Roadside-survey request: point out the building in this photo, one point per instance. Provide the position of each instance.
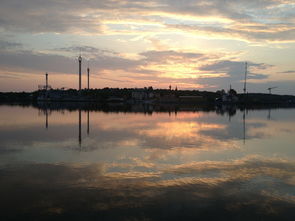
(143, 94)
(228, 98)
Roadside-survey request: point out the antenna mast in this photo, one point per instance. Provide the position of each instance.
(80, 64)
(88, 75)
(46, 87)
(245, 83)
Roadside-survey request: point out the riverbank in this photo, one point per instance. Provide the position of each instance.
(146, 96)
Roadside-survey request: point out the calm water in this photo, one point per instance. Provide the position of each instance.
(185, 165)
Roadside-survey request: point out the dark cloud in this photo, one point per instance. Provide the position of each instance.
(99, 60)
(288, 72)
(28, 60)
(9, 45)
(87, 50)
(141, 68)
(46, 16)
(236, 69)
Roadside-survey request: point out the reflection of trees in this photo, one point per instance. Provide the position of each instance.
(112, 136)
(128, 108)
(230, 110)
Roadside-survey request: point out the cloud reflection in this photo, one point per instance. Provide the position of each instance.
(254, 187)
(133, 166)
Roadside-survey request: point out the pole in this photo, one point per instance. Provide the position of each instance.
(88, 75)
(46, 115)
(46, 81)
(80, 63)
(245, 83)
(80, 137)
(87, 122)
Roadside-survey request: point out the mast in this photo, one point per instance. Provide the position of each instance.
(88, 70)
(80, 63)
(245, 83)
(46, 81)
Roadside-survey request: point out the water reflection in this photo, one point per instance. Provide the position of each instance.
(181, 128)
(80, 137)
(87, 122)
(146, 163)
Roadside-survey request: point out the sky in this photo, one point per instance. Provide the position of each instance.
(195, 45)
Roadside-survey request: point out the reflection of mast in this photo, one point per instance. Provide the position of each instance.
(46, 81)
(80, 139)
(269, 114)
(46, 122)
(88, 76)
(244, 126)
(87, 122)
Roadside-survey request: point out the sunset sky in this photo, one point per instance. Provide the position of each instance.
(191, 44)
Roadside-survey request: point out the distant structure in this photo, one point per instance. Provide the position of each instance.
(227, 98)
(270, 88)
(87, 122)
(143, 94)
(46, 86)
(245, 83)
(88, 70)
(80, 64)
(80, 136)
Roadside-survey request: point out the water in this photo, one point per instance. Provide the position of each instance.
(88, 163)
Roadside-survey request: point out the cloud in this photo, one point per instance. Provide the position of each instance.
(171, 56)
(145, 23)
(4, 45)
(249, 21)
(86, 50)
(235, 72)
(7, 75)
(46, 16)
(287, 72)
(256, 33)
(29, 60)
(185, 68)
